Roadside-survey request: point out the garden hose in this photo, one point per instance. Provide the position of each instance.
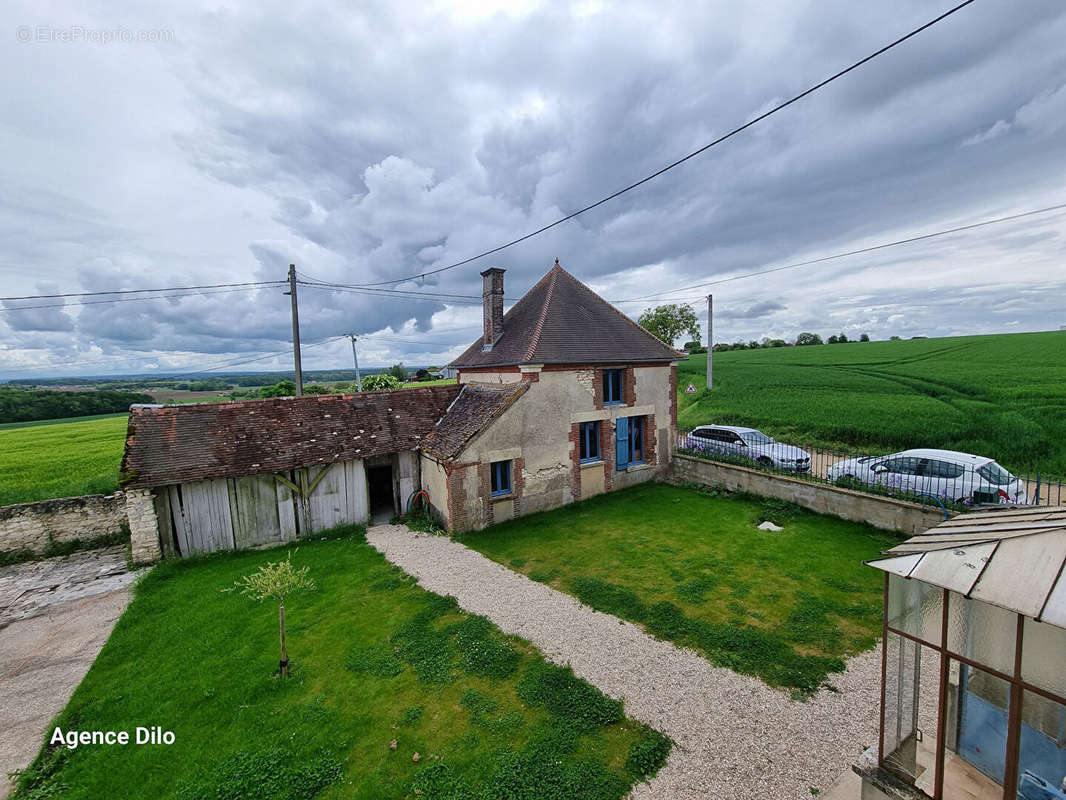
(411, 500)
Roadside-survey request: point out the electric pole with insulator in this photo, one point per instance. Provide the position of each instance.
(355, 355)
(710, 339)
(295, 331)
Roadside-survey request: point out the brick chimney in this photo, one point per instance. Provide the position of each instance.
(492, 298)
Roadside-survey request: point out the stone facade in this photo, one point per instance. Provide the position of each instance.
(31, 526)
(540, 436)
(144, 527)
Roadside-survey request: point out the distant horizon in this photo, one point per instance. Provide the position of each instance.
(7, 379)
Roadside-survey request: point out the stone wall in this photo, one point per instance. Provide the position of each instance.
(30, 526)
(881, 512)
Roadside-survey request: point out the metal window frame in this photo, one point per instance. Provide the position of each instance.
(609, 376)
(493, 467)
(590, 435)
(1016, 684)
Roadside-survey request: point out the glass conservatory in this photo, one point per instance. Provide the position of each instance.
(973, 673)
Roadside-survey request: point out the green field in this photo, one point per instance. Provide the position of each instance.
(1002, 396)
(395, 694)
(60, 458)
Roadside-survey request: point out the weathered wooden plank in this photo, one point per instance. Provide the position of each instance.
(234, 514)
(207, 514)
(161, 504)
(407, 476)
(177, 515)
(258, 519)
(356, 491)
(327, 503)
(286, 507)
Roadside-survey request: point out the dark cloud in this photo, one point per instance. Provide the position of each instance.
(388, 142)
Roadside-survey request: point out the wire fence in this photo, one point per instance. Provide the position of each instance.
(949, 480)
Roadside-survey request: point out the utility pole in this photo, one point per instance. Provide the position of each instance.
(295, 331)
(710, 339)
(355, 355)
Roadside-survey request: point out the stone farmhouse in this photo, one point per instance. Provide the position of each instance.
(562, 398)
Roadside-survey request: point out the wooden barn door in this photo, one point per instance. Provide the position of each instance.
(201, 515)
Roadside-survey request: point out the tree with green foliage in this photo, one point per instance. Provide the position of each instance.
(398, 372)
(317, 388)
(381, 382)
(670, 321)
(806, 339)
(279, 389)
(275, 581)
(864, 338)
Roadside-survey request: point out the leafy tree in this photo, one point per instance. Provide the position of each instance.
(806, 339)
(381, 382)
(776, 343)
(279, 389)
(864, 338)
(754, 345)
(398, 372)
(894, 338)
(316, 388)
(275, 581)
(834, 339)
(670, 321)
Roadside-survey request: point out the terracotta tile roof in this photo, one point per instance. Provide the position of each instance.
(177, 444)
(562, 321)
(476, 407)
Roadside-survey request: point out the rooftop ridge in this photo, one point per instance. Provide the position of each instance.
(553, 273)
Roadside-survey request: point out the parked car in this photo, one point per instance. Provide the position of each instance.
(958, 477)
(747, 443)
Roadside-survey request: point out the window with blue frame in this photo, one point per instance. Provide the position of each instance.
(590, 442)
(629, 442)
(612, 387)
(501, 477)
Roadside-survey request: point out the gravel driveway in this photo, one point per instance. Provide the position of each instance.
(734, 736)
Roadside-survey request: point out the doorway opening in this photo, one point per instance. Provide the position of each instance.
(379, 486)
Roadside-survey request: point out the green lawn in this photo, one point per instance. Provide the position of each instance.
(692, 567)
(55, 458)
(1000, 396)
(374, 659)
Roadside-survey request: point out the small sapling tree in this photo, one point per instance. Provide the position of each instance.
(275, 581)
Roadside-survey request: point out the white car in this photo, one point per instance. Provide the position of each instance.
(747, 443)
(953, 476)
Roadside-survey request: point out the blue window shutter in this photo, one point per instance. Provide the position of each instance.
(621, 437)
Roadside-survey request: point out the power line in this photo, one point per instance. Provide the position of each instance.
(861, 250)
(693, 154)
(400, 293)
(127, 299)
(137, 291)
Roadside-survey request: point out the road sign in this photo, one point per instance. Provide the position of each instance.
(690, 389)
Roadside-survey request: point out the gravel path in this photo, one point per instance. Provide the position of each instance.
(734, 736)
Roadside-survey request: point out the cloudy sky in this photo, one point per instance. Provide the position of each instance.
(195, 143)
